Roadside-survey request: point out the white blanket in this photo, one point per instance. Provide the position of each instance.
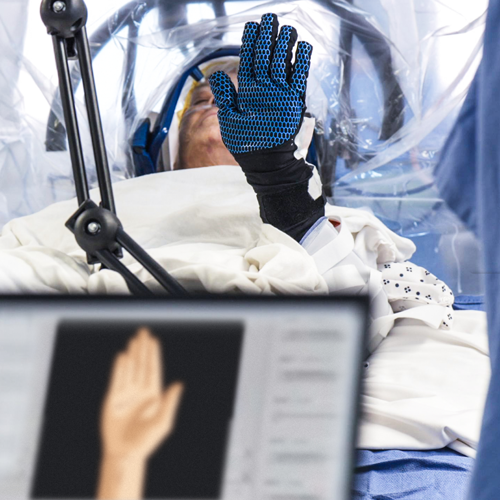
(424, 386)
(202, 226)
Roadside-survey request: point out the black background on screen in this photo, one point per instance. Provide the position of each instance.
(205, 356)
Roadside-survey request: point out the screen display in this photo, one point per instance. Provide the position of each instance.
(203, 399)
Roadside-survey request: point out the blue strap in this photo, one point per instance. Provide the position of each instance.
(140, 143)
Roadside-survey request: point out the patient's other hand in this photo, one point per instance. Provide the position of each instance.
(137, 413)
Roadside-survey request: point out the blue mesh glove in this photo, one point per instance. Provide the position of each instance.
(260, 122)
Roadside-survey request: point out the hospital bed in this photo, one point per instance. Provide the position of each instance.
(389, 174)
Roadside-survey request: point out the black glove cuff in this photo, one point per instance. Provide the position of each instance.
(291, 209)
(270, 169)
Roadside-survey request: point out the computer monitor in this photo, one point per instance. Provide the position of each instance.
(214, 398)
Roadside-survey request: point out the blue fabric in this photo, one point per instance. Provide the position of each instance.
(468, 302)
(267, 110)
(411, 475)
(469, 179)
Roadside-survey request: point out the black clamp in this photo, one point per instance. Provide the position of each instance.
(95, 229)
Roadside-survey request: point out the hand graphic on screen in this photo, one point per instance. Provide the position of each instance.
(137, 416)
(137, 413)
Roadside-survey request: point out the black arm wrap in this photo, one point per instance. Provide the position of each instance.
(281, 183)
(291, 210)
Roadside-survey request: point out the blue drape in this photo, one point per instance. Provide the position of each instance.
(468, 177)
(411, 475)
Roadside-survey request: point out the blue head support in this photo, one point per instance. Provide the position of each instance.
(146, 144)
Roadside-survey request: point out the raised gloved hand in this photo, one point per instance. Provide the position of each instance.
(260, 121)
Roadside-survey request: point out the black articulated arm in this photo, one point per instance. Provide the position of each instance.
(97, 229)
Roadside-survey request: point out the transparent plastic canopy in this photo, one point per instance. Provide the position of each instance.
(387, 80)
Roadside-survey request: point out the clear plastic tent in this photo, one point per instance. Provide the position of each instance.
(386, 83)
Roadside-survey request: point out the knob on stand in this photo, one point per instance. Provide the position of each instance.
(63, 17)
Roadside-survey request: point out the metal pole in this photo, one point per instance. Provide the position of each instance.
(162, 276)
(134, 284)
(68, 105)
(94, 117)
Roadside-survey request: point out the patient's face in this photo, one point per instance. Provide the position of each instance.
(200, 141)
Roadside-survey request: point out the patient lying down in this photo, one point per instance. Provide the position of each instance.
(200, 140)
(229, 230)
